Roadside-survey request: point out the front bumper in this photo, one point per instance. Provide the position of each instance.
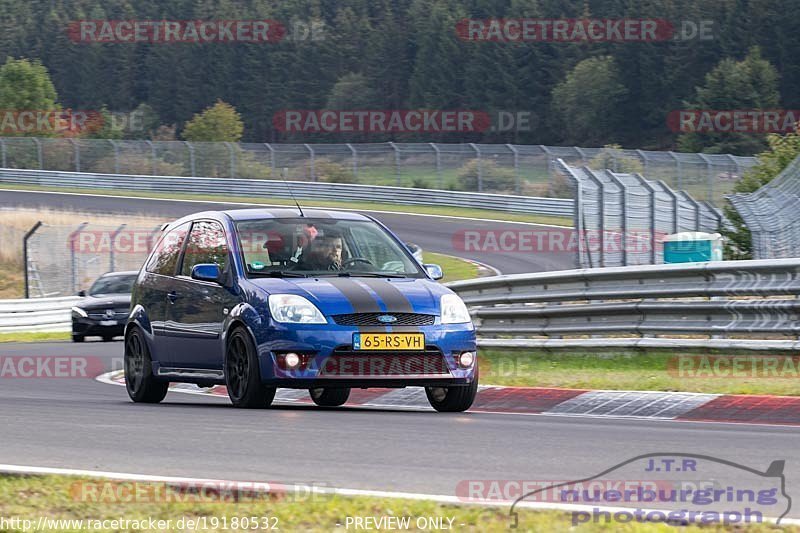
(87, 327)
(333, 363)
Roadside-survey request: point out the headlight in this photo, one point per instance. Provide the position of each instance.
(454, 311)
(79, 313)
(293, 309)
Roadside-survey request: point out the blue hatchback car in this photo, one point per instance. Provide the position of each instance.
(258, 299)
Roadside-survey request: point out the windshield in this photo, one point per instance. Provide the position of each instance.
(305, 246)
(113, 285)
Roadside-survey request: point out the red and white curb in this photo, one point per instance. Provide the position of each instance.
(680, 406)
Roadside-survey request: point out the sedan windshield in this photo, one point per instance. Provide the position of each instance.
(305, 246)
(113, 285)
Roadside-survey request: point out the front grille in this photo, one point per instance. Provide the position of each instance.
(348, 363)
(100, 314)
(371, 319)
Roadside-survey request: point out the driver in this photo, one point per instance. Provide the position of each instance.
(324, 253)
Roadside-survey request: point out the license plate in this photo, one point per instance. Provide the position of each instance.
(108, 322)
(388, 341)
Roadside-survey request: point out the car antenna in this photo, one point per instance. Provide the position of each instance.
(283, 177)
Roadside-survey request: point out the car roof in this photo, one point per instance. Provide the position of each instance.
(261, 213)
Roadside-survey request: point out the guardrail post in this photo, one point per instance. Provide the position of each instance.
(480, 165)
(653, 217)
(233, 159)
(396, 163)
(678, 168)
(312, 162)
(116, 155)
(272, 165)
(77, 154)
(153, 157)
(584, 161)
(624, 209)
(25, 240)
(111, 262)
(438, 164)
(710, 180)
(192, 163)
(39, 154)
(73, 267)
(355, 160)
(601, 215)
(517, 184)
(675, 218)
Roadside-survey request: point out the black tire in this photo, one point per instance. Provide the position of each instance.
(242, 373)
(329, 397)
(142, 385)
(453, 399)
(78, 338)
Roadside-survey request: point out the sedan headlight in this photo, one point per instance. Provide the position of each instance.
(454, 311)
(77, 312)
(293, 309)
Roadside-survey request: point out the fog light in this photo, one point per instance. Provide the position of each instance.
(292, 360)
(466, 359)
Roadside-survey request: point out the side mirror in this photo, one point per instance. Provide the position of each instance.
(434, 271)
(81, 293)
(207, 272)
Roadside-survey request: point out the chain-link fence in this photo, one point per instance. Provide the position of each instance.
(622, 218)
(772, 214)
(62, 260)
(503, 168)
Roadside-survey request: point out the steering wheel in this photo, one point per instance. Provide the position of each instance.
(353, 260)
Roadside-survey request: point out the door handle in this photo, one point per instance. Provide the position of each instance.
(172, 296)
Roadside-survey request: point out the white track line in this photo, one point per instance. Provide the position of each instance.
(257, 205)
(316, 489)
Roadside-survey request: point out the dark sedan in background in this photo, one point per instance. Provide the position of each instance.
(104, 310)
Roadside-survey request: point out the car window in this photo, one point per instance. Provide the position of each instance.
(164, 259)
(307, 246)
(206, 245)
(112, 285)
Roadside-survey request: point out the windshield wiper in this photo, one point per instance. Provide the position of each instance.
(346, 274)
(279, 274)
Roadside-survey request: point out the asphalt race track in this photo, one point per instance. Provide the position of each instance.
(433, 234)
(84, 424)
(80, 423)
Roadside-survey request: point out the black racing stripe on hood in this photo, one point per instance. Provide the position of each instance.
(359, 297)
(396, 301)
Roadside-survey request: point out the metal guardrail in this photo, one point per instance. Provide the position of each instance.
(643, 306)
(770, 214)
(503, 168)
(736, 304)
(41, 314)
(266, 189)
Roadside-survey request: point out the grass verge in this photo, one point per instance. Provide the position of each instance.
(12, 284)
(72, 498)
(648, 370)
(364, 206)
(454, 268)
(33, 337)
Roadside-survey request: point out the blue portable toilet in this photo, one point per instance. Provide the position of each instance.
(692, 247)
